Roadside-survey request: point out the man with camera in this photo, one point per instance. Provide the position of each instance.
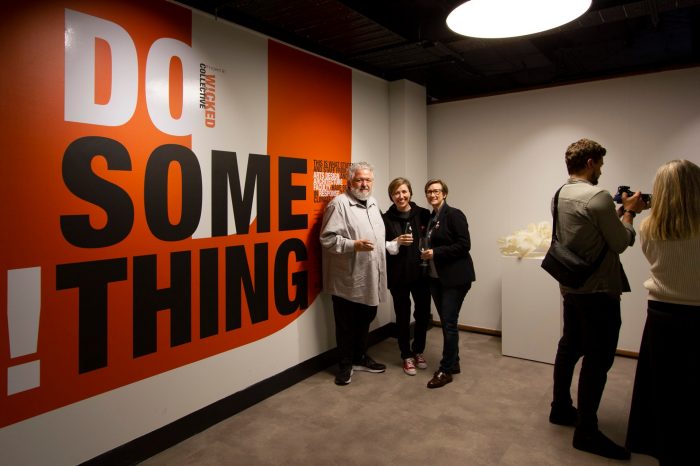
(587, 224)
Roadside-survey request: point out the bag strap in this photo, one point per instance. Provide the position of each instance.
(555, 214)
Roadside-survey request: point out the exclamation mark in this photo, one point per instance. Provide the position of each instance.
(23, 310)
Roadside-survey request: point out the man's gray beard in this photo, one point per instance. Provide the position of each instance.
(359, 195)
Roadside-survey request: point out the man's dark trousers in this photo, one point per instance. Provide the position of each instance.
(591, 329)
(351, 329)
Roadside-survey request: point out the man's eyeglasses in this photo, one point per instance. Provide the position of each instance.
(362, 180)
(430, 192)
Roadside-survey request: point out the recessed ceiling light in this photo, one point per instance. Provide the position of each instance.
(491, 19)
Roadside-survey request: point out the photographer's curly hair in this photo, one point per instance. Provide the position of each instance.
(578, 153)
(675, 203)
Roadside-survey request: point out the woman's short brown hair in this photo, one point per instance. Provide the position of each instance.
(435, 181)
(395, 183)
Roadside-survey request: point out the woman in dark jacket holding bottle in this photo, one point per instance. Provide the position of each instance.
(405, 221)
(451, 273)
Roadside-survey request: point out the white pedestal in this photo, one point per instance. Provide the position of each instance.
(531, 310)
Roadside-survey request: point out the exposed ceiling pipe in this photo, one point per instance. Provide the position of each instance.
(654, 12)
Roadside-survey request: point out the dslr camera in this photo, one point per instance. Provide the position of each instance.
(626, 189)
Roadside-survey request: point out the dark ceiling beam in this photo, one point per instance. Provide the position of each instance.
(408, 39)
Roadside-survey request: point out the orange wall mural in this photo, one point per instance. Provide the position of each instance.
(104, 281)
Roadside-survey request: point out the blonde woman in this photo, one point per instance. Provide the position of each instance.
(665, 410)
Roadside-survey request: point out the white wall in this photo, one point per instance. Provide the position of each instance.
(144, 406)
(503, 158)
(409, 144)
(83, 430)
(370, 143)
(389, 123)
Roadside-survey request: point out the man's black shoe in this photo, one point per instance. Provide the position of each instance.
(563, 416)
(599, 444)
(440, 379)
(368, 364)
(344, 376)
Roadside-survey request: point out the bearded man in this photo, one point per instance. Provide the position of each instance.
(354, 269)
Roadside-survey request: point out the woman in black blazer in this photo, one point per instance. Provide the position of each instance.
(451, 273)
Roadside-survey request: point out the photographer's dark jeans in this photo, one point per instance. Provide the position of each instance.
(421, 313)
(591, 329)
(448, 301)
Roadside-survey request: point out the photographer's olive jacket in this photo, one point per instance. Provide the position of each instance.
(356, 276)
(587, 222)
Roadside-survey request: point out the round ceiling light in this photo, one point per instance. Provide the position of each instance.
(491, 19)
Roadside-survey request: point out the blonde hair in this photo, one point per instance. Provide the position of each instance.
(675, 207)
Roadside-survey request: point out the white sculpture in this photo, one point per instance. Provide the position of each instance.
(532, 242)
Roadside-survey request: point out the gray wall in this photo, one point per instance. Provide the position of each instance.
(502, 157)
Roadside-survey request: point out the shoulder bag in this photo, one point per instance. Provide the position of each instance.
(565, 265)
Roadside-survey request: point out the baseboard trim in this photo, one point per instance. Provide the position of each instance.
(161, 439)
(469, 328)
(484, 331)
(627, 353)
(497, 333)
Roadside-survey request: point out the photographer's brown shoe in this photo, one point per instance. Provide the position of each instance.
(440, 379)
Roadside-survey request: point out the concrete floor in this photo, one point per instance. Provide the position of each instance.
(493, 413)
